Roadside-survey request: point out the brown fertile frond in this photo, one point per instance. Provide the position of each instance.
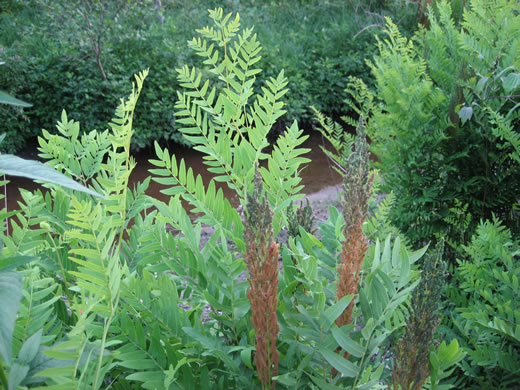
(358, 180)
(357, 189)
(259, 217)
(357, 186)
(352, 256)
(262, 262)
(411, 359)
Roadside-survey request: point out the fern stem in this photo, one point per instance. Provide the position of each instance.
(102, 349)
(3, 378)
(237, 182)
(62, 269)
(362, 361)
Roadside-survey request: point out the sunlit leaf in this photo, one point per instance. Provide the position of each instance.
(16, 166)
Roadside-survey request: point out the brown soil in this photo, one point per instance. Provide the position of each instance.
(321, 200)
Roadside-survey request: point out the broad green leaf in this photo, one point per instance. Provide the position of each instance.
(416, 255)
(140, 364)
(334, 311)
(17, 374)
(30, 348)
(16, 166)
(344, 341)
(146, 376)
(57, 371)
(11, 263)
(245, 355)
(287, 379)
(341, 364)
(404, 276)
(377, 256)
(10, 296)
(324, 385)
(511, 82)
(12, 101)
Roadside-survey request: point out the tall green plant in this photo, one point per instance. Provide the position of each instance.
(442, 125)
(224, 119)
(26, 316)
(82, 240)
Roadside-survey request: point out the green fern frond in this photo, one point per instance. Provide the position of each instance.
(78, 157)
(341, 141)
(282, 175)
(27, 236)
(215, 209)
(504, 130)
(228, 124)
(361, 101)
(37, 309)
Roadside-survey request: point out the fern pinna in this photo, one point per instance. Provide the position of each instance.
(225, 119)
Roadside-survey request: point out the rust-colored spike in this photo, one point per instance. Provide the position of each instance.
(262, 263)
(357, 186)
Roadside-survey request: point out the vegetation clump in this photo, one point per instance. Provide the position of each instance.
(97, 293)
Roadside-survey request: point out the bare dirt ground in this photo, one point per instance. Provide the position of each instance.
(321, 200)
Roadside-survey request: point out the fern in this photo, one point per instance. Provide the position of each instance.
(378, 224)
(504, 130)
(151, 330)
(226, 120)
(97, 235)
(341, 141)
(216, 210)
(431, 91)
(489, 314)
(78, 157)
(27, 236)
(37, 308)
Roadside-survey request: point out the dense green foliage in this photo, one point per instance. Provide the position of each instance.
(51, 58)
(16, 166)
(444, 123)
(443, 118)
(110, 297)
(483, 310)
(107, 287)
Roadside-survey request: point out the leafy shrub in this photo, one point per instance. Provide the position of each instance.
(485, 309)
(444, 117)
(55, 66)
(56, 69)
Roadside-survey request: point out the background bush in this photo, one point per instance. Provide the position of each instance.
(50, 59)
(483, 310)
(445, 120)
(444, 124)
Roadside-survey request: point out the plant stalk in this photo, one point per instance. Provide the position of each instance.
(3, 378)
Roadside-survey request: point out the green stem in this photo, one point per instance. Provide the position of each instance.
(3, 378)
(102, 350)
(362, 361)
(60, 262)
(322, 358)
